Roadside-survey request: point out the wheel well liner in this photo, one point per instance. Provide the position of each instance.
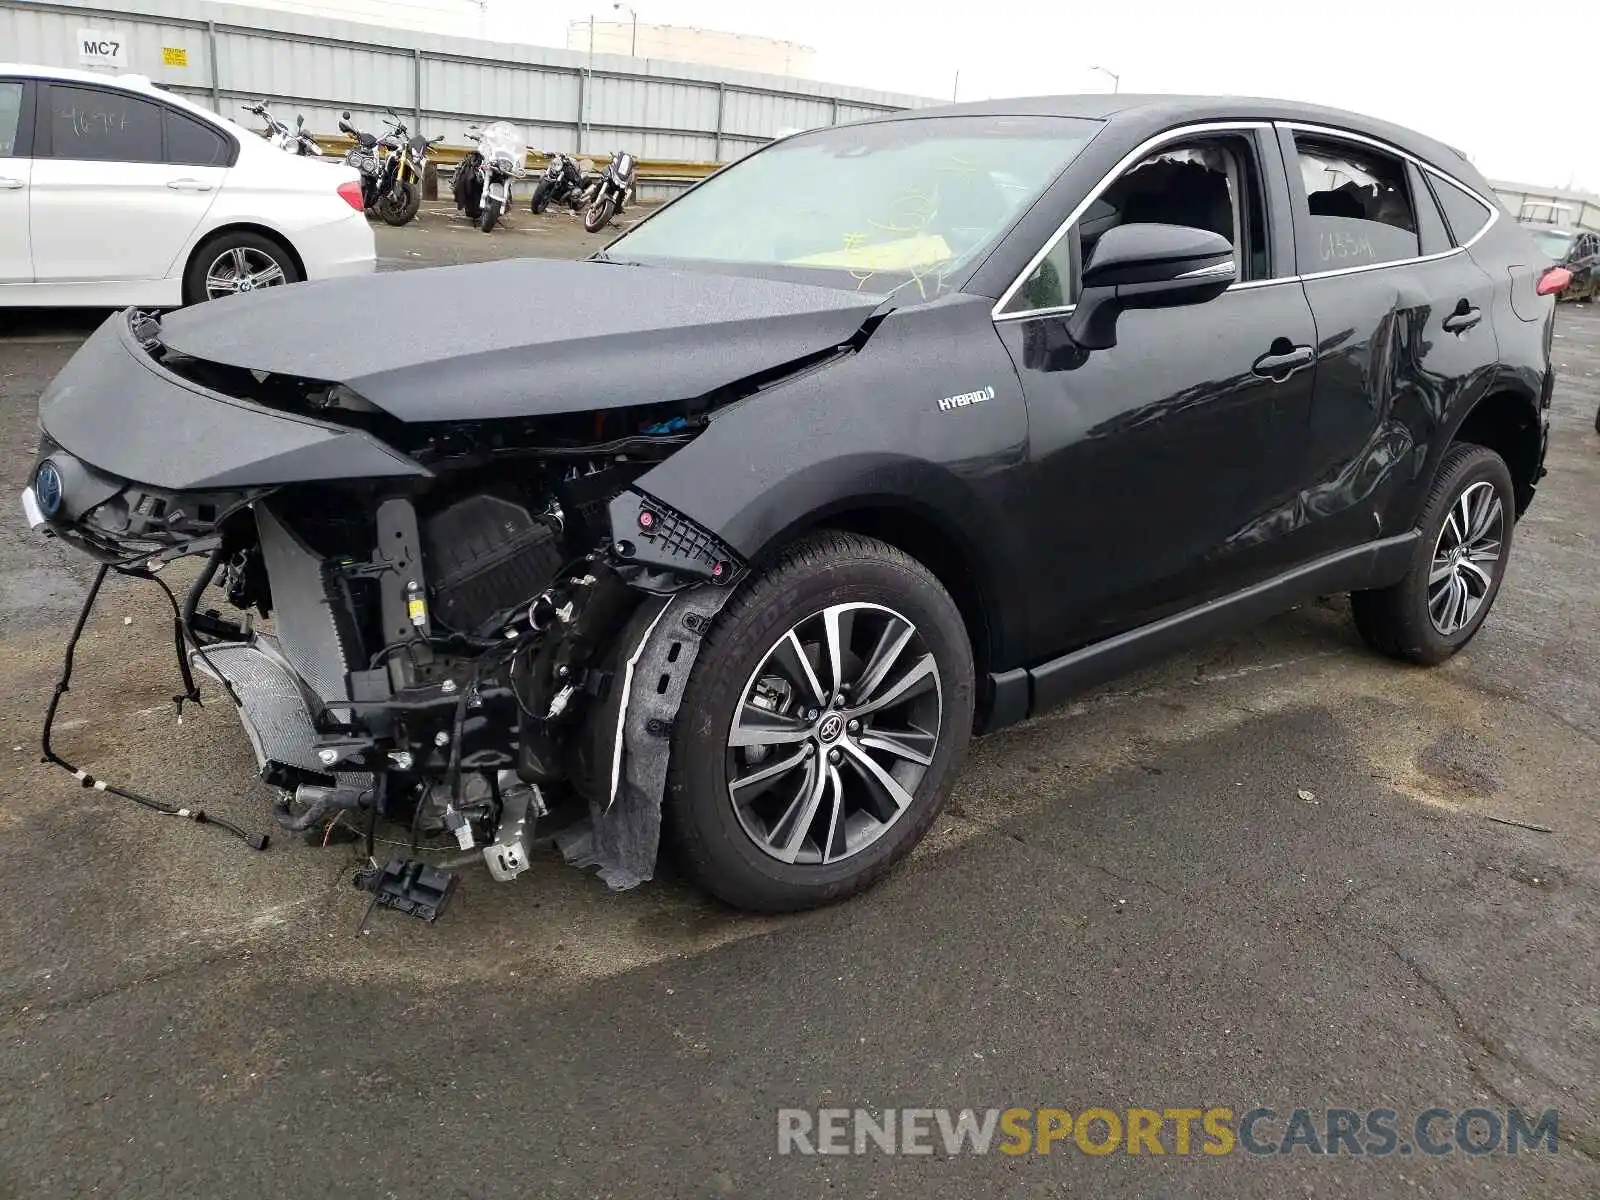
(1507, 423)
(272, 235)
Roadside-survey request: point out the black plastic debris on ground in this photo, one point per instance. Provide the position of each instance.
(410, 886)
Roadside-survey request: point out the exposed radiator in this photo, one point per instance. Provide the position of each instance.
(302, 612)
(272, 708)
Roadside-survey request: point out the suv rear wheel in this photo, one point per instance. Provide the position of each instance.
(827, 712)
(1456, 567)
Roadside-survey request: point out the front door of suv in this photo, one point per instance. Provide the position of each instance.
(1404, 333)
(1156, 465)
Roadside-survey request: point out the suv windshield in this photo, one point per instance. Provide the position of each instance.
(1553, 242)
(912, 201)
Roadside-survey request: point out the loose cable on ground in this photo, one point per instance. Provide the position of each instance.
(199, 816)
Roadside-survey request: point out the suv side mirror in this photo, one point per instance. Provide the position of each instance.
(1148, 266)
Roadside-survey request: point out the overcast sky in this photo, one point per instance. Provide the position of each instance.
(1515, 86)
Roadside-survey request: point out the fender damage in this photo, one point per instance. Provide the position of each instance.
(445, 622)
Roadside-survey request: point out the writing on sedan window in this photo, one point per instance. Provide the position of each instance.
(91, 122)
(1340, 245)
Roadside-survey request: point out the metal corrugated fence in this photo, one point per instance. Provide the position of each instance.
(1555, 206)
(224, 54)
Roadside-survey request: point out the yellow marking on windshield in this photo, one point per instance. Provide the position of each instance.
(903, 254)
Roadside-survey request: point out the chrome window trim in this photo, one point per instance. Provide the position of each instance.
(1421, 164)
(1150, 145)
(1142, 150)
(1394, 262)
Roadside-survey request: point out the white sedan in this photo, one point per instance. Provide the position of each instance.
(116, 192)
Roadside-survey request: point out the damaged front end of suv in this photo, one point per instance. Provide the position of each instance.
(447, 576)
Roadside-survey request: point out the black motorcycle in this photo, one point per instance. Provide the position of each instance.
(400, 180)
(563, 182)
(613, 193)
(367, 156)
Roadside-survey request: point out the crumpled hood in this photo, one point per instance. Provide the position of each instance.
(522, 337)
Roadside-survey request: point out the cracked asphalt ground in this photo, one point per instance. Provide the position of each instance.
(1126, 903)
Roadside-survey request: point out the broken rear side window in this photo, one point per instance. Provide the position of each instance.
(1358, 203)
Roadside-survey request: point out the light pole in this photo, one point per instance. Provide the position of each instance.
(1116, 80)
(633, 45)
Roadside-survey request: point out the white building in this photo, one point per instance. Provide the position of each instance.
(680, 43)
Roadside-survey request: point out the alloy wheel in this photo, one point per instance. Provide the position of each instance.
(834, 732)
(242, 269)
(1466, 558)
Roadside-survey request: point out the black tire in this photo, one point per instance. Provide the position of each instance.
(598, 215)
(541, 196)
(825, 569)
(1395, 620)
(489, 215)
(254, 245)
(400, 210)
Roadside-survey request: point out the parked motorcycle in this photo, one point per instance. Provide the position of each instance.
(563, 182)
(400, 177)
(294, 141)
(367, 156)
(482, 183)
(613, 192)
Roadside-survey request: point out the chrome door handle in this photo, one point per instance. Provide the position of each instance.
(189, 185)
(11, 185)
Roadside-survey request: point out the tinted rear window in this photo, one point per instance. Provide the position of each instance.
(1465, 212)
(194, 143)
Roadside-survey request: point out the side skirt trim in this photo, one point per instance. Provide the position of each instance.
(1017, 692)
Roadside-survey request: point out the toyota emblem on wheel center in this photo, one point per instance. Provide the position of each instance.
(831, 727)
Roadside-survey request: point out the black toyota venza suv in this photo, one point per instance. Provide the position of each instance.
(889, 434)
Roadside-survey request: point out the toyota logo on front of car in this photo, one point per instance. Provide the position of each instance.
(47, 488)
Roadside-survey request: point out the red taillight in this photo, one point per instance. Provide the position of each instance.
(1555, 279)
(352, 195)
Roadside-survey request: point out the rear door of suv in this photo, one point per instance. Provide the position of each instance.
(1404, 331)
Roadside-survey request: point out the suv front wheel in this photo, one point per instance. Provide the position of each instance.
(1456, 568)
(827, 712)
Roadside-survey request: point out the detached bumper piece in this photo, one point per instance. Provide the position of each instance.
(411, 887)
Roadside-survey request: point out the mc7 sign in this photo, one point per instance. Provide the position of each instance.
(99, 49)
